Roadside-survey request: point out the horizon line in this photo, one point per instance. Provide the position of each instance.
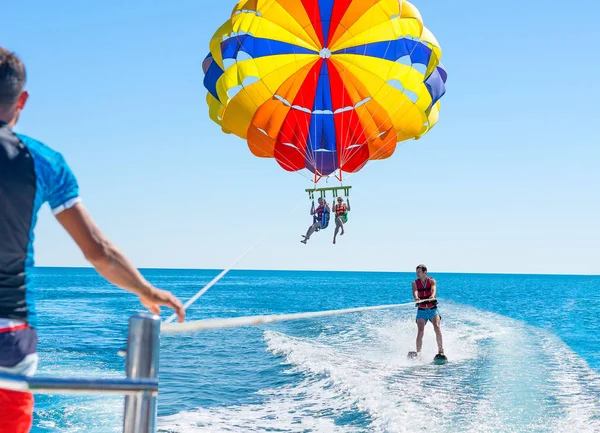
(333, 270)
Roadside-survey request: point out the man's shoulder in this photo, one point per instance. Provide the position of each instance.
(39, 149)
(44, 156)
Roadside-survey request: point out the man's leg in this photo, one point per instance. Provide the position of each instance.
(421, 330)
(436, 322)
(310, 231)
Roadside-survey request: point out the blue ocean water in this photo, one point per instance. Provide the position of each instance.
(524, 354)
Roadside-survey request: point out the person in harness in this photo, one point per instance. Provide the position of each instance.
(424, 289)
(341, 210)
(320, 216)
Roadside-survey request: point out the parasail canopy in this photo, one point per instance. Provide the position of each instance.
(324, 85)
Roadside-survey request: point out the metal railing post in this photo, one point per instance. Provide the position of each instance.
(143, 347)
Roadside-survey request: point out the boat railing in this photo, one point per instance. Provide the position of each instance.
(140, 387)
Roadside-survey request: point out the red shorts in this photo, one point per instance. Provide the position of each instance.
(17, 349)
(16, 411)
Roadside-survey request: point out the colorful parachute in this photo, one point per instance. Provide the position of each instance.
(324, 85)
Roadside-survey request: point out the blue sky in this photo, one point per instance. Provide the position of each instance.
(508, 181)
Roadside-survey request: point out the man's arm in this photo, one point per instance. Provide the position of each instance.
(111, 263)
(312, 209)
(415, 291)
(433, 289)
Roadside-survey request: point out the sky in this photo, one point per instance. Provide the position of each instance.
(507, 182)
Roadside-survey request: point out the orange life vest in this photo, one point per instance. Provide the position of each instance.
(340, 209)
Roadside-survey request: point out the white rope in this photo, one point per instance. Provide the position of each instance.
(236, 322)
(229, 268)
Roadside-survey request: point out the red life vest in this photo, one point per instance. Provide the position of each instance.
(425, 293)
(319, 211)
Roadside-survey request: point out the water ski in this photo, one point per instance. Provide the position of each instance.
(413, 355)
(440, 359)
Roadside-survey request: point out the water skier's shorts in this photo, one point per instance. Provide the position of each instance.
(428, 314)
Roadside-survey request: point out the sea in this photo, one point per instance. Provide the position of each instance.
(523, 350)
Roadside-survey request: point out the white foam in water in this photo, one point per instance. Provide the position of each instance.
(503, 376)
(74, 414)
(90, 415)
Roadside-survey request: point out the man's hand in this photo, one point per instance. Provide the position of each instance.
(424, 301)
(157, 297)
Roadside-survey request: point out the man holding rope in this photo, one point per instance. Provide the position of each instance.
(30, 175)
(424, 291)
(320, 218)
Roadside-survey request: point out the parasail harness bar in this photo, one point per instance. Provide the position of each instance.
(323, 191)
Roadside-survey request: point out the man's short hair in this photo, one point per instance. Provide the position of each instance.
(12, 77)
(422, 268)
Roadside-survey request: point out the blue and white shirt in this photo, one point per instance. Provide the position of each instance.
(31, 174)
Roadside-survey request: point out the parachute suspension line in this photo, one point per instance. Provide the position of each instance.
(235, 322)
(300, 172)
(230, 267)
(317, 177)
(340, 176)
(380, 150)
(353, 152)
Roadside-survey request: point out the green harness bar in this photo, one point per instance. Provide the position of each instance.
(323, 191)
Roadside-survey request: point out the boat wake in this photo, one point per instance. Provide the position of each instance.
(502, 376)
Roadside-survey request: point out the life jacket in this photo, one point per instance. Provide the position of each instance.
(425, 293)
(340, 209)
